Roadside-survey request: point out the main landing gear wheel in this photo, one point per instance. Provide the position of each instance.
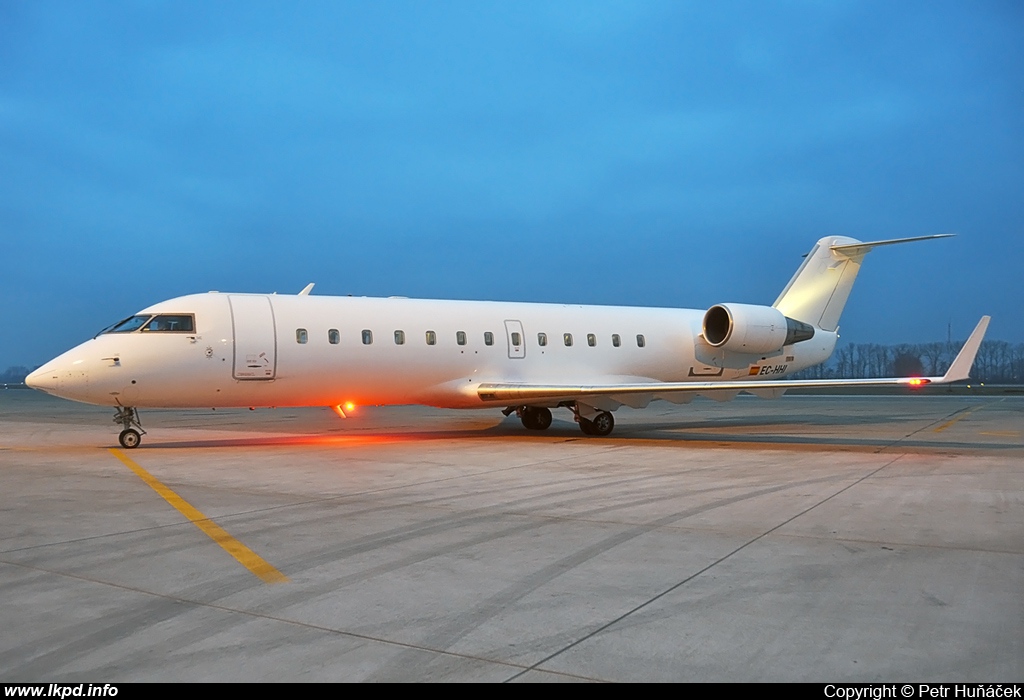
(535, 418)
(601, 425)
(129, 438)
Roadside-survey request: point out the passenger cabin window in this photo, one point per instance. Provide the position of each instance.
(399, 337)
(301, 336)
(367, 337)
(488, 338)
(460, 337)
(567, 339)
(616, 340)
(542, 339)
(517, 339)
(333, 336)
(640, 341)
(431, 338)
(591, 339)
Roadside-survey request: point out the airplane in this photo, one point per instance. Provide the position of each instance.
(266, 350)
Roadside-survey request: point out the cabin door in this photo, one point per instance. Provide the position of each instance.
(516, 340)
(252, 320)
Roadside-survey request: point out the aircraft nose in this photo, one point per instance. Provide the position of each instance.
(42, 379)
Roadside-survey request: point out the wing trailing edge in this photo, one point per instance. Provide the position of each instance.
(513, 393)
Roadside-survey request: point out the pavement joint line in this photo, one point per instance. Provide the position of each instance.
(289, 621)
(245, 556)
(694, 575)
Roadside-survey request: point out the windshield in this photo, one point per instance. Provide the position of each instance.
(130, 324)
(161, 323)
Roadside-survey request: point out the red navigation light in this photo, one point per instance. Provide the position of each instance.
(918, 381)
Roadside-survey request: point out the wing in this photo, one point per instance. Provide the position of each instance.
(638, 394)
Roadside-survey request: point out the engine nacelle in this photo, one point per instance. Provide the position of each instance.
(752, 329)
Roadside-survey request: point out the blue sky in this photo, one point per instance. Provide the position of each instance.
(663, 154)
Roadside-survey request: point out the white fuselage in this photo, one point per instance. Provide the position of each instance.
(248, 350)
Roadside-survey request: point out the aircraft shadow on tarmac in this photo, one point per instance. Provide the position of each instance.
(733, 432)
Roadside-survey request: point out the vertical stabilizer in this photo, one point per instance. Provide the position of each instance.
(818, 291)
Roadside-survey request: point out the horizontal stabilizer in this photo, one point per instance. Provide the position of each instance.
(855, 249)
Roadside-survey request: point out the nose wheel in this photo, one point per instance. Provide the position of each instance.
(129, 438)
(132, 434)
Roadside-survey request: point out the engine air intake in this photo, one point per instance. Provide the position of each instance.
(752, 329)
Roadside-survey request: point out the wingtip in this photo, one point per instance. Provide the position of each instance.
(960, 370)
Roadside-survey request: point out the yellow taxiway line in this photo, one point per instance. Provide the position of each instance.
(245, 556)
(960, 417)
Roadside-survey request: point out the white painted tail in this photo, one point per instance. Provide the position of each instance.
(818, 291)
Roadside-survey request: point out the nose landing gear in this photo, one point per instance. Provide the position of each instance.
(132, 434)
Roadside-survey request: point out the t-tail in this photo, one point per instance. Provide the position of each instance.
(818, 291)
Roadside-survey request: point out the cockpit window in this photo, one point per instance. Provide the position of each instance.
(129, 324)
(170, 323)
(148, 323)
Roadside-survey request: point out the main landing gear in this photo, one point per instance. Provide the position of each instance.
(534, 417)
(600, 425)
(539, 418)
(132, 434)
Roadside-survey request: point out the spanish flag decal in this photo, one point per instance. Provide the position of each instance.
(753, 371)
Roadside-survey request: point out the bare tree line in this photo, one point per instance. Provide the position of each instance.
(998, 361)
(14, 375)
